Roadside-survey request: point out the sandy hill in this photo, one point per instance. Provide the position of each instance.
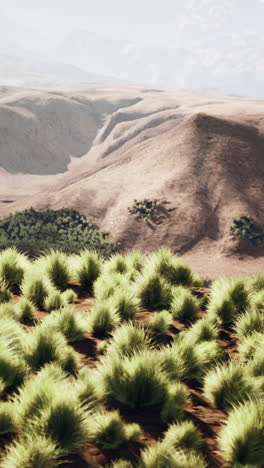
(202, 156)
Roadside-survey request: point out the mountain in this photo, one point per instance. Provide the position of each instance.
(201, 156)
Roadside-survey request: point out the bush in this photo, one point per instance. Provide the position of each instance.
(127, 339)
(148, 210)
(42, 348)
(124, 304)
(107, 430)
(66, 321)
(246, 228)
(159, 322)
(102, 319)
(153, 292)
(88, 269)
(32, 451)
(227, 385)
(177, 399)
(184, 306)
(184, 435)
(65, 230)
(242, 439)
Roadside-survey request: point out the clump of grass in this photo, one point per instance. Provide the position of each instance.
(25, 310)
(43, 347)
(7, 418)
(107, 430)
(124, 304)
(127, 339)
(153, 292)
(102, 319)
(248, 323)
(229, 298)
(133, 432)
(257, 300)
(9, 310)
(35, 288)
(69, 296)
(53, 301)
(65, 422)
(90, 394)
(227, 385)
(102, 346)
(174, 271)
(255, 366)
(184, 306)
(184, 435)
(88, 269)
(135, 261)
(177, 398)
(12, 335)
(202, 330)
(32, 451)
(242, 438)
(67, 322)
(116, 264)
(121, 463)
(250, 344)
(139, 381)
(164, 455)
(159, 322)
(256, 283)
(107, 284)
(12, 268)
(12, 366)
(56, 267)
(5, 294)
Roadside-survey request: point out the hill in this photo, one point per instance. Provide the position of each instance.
(201, 156)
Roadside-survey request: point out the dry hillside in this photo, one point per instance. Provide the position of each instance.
(201, 155)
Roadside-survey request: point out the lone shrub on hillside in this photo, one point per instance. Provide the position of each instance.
(147, 209)
(242, 439)
(246, 228)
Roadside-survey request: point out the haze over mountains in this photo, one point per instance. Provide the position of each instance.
(196, 44)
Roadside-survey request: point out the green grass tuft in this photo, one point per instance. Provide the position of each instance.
(32, 451)
(102, 319)
(184, 306)
(153, 292)
(159, 322)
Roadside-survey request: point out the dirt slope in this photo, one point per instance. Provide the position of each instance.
(202, 156)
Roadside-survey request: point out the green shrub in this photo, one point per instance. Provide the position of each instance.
(55, 266)
(88, 269)
(43, 347)
(124, 304)
(246, 228)
(102, 319)
(107, 430)
(184, 306)
(7, 418)
(66, 321)
(148, 210)
(159, 322)
(153, 292)
(184, 435)
(12, 335)
(227, 385)
(32, 451)
(127, 339)
(242, 438)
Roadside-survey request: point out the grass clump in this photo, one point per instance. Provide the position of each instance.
(107, 285)
(102, 319)
(36, 289)
(229, 298)
(127, 339)
(116, 264)
(34, 451)
(124, 304)
(242, 438)
(12, 268)
(250, 345)
(256, 283)
(56, 267)
(25, 310)
(90, 394)
(107, 430)
(5, 294)
(249, 322)
(184, 435)
(43, 347)
(227, 385)
(184, 306)
(13, 368)
(67, 322)
(7, 418)
(153, 292)
(159, 323)
(54, 301)
(69, 296)
(164, 455)
(88, 269)
(171, 269)
(202, 330)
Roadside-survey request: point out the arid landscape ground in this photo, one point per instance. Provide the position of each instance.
(96, 150)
